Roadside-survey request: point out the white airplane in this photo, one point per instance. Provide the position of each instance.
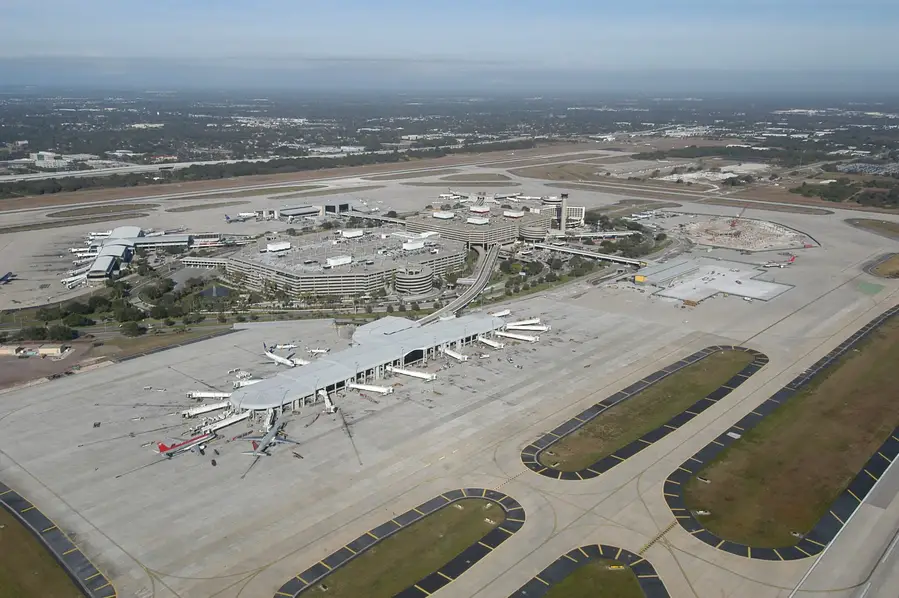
(779, 264)
(290, 361)
(506, 195)
(275, 435)
(317, 351)
(285, 346)
(190, 444)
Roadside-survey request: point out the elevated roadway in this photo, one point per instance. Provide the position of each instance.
(486, 263)
(596, 256)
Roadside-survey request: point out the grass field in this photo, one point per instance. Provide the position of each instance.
(783, 475)
(513, 163)
(644, 412)
(563, 172)
(19, 228)
(477, 177)
(413, 553)
(99, 210)
(337, 191)
(884, 228)
(754, 205)
(888, 268)
(27, 570)
(410, 175)
(464, 185)
(250, 192)
(122, 346)
(596, 580)
(206, 206)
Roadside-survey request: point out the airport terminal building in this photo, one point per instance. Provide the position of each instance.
(387, 342)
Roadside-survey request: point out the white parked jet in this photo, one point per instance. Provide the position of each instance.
(290, 361)
(275, 435)
(285, 346)
(317, 351)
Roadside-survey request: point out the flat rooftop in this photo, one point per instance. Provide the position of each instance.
(371, 252)
(700, 279)
(495, 217)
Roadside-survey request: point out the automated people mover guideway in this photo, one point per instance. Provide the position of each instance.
(842, 508)
(530, 456)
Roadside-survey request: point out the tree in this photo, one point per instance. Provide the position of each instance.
(159, 312)
(98, 304)
(132, 329)
(415, 306)
(48, 314)
(390, 309)
(391, 214)
(76, 307)
(58, 332)
(222, 318)
(555, 264)
(73, 320)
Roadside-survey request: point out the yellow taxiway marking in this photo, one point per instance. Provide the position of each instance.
(445, 576)
(26, 509)
(97, 574)
(70, 551)
(426, 593)
(538, 578)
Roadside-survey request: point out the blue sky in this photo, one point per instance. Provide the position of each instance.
(493, 41)
(755, 34)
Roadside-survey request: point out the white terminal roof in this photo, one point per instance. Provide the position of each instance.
(377, 343)
(103, 264)
(124, 232)
(113, 250)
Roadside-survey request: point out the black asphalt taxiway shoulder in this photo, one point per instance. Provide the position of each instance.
(568, 563)
(842, 508)
(85, 575)
(530, 456)
(447, 573)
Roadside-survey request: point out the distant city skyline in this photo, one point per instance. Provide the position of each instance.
(394, 43)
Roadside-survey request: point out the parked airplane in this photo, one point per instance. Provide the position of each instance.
(290, 361)
(506, 195)
(285, 346)
(779, 264)
(275, 435)
(8, 277)
(190, 444)
(229, 219)
(317, 351)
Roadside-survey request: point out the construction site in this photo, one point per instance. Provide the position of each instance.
(744, 234)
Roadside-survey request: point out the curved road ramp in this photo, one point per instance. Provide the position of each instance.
(618, 563)
(85, 575)
(316, 577)
(534, 455)
(840, 509)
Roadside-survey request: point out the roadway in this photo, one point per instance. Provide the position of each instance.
(486, 263)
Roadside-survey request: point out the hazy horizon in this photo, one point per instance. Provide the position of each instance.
(650, 46)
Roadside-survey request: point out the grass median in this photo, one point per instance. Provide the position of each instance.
(27, 570)
(644, 412)
(598, 579)
(413, 553)
(784, 474)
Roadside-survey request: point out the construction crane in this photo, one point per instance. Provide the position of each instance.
(733, 223)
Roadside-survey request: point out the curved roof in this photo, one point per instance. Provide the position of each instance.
(377, 343)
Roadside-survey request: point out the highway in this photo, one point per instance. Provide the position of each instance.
(486, 263)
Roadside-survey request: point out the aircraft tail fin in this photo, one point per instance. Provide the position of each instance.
(792, 259)
(255, 445)
(162, 447)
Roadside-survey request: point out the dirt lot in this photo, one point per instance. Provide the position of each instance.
(207, 206)
(783, 475)
(485, 177)
(17, 371)
(116, 210)
(27, 570)
(62, 199)
(409, 175)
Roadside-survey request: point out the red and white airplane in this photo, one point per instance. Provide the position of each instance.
(187, 445)
(780, 264)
